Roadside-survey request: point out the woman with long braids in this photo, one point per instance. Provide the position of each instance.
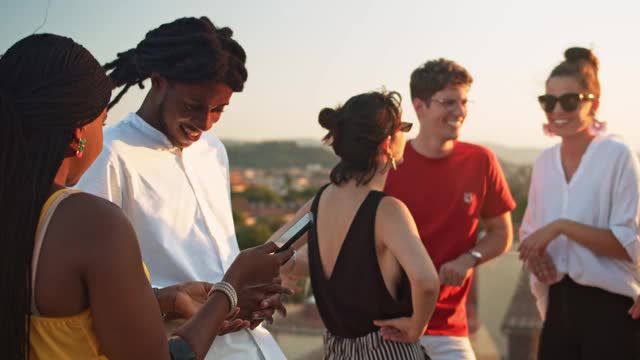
(72, 281)
(580, 232)
(170, 174)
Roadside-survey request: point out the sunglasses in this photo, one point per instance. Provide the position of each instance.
(405, 126)
(568, 102)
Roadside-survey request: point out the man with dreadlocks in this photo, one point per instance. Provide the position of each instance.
(171, 177)
(72, 281)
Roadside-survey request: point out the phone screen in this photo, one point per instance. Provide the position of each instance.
(294, 232)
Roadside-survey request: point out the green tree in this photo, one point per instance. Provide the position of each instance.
(278, 155)
(250, 236)
(272, 222)
(238, 218)
(259, 193)
(519, 179)
(300, 196)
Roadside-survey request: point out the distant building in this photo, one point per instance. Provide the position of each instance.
(238, 181)
(522, 322)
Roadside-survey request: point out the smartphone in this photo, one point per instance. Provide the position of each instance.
(294, 232)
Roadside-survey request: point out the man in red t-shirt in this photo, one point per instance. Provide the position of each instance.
(449, 186)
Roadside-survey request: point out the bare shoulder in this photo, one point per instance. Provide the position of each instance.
(88, 208)
(391, 206)
(393, 213)
(394, 221)
(95, 225)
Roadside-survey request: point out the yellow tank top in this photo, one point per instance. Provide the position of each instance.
(69, 337)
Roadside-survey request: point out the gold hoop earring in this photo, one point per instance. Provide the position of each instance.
(393, 161)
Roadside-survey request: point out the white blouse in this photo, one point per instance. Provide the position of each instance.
(604, 192)
(179, 203)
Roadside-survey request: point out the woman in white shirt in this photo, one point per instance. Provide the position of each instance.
(579, 234)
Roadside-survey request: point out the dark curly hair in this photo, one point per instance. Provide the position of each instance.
(435, 75)
(581, 64)
(356, 130)
(187, 50)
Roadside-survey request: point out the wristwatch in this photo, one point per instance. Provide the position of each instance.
(477, 255)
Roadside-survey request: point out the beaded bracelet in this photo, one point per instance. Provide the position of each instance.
(227, 289)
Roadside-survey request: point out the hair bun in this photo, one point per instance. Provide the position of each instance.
(328, 119)
(576, 54)
(225, 32)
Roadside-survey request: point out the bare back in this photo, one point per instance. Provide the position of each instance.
(337, 209)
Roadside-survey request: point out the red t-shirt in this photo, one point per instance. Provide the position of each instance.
(447, 198)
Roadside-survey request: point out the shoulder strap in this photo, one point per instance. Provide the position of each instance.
(45, 217)
(316, 200)
(364, 222)
(313, 251)
(370, 207)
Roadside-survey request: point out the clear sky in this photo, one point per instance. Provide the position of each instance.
(305, 55)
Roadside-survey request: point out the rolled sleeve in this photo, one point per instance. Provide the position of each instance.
(630, 240)
(625, 212)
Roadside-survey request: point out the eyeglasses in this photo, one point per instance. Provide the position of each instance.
(450, 104)
(405, 126)
(568, 102)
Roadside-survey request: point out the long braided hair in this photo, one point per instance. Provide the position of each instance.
(187, 50)
(49, 85)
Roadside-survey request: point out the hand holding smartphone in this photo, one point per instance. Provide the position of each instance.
(294, 232)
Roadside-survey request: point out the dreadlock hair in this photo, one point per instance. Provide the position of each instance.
(187, 50)
(356, 130)
(49, 85)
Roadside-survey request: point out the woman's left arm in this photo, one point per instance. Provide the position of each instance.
(600, 241)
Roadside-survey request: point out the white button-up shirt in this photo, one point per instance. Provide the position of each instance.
(180, 206)
(604, 193)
